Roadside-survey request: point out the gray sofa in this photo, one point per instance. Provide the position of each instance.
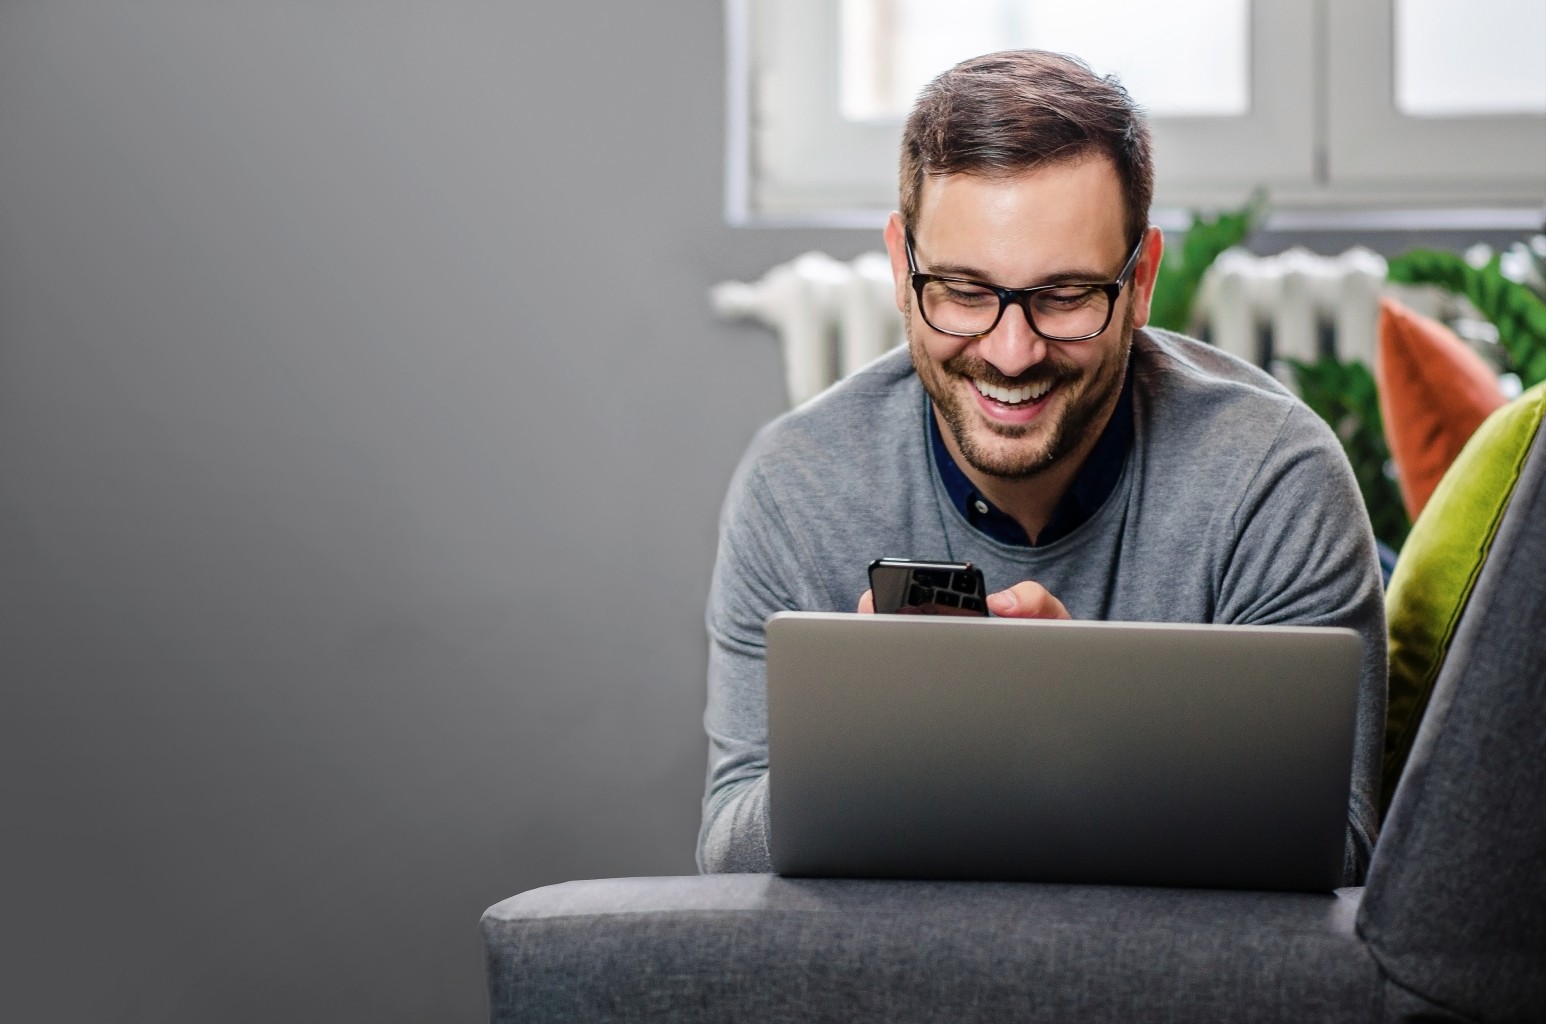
(1451, 925)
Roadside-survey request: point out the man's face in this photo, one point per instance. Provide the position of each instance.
(1015, 403)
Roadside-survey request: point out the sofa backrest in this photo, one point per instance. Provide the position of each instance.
(1455, 907)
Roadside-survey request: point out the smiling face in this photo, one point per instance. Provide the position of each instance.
(1011, 403)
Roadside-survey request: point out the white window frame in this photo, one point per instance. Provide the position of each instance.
(1376, 151)
(793, 158)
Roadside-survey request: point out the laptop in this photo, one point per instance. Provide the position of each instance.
(1084, 752)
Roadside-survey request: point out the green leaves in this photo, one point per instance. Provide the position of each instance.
(1516, 311)
(1345, 396)
(1180, 273)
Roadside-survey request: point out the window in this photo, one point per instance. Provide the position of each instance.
(1504, 71)
(1331, 104)
(890, 48)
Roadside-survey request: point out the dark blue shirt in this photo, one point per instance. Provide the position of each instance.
(1091, 486)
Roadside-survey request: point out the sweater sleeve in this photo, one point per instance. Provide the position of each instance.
(752, 580)
(1303, 553)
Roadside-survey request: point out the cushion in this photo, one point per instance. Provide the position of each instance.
(1440, 563)
(1434, 392)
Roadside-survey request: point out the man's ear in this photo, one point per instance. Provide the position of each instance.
(1145, 274)
(896, 248)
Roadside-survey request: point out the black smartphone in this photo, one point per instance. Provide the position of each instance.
(903, 586)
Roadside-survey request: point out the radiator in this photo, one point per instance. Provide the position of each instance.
(832, 317)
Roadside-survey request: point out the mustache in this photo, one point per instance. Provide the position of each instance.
(965, 365)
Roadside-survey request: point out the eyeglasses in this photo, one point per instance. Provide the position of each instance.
(965, 308)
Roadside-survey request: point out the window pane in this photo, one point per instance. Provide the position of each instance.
(892, 48)
(1480, 57)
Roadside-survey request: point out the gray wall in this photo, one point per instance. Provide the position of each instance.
(363, 426)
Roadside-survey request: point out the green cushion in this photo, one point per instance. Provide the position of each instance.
(1441, 560)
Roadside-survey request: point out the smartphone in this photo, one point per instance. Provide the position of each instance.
(903, 586)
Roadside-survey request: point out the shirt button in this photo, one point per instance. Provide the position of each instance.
(981, 507)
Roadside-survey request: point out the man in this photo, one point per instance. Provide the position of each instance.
(1091, 467)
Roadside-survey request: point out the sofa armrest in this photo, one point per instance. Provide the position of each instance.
(768, 949)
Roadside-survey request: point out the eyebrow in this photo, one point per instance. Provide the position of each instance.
(1069, 276)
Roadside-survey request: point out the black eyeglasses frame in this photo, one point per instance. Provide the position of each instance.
(1022, 296)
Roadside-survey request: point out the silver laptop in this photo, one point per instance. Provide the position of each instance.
(1099, 752)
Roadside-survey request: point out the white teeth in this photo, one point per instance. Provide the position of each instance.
(1013, 396)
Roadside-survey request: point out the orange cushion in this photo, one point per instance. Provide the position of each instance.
(1434, 393)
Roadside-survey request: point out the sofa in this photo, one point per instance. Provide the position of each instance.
(1450, 926)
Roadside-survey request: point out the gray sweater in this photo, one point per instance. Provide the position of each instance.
(1236, 505)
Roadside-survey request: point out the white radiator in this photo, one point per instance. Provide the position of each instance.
(1295, 305)
(832, 317)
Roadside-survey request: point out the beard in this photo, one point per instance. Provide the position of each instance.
(1021, 451)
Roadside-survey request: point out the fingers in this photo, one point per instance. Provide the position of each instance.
(1026, 600)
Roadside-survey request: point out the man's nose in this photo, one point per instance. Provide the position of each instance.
(1012, 347)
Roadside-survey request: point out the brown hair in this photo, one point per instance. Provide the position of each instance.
(1005, 113)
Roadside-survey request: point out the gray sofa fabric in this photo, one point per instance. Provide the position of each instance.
(1451, 925)
(768, 949)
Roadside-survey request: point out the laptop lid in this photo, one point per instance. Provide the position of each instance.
(1097, 752)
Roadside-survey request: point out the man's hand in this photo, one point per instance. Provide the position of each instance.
(1026, 600)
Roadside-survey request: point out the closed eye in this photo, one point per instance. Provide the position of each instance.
(959, 291)
(1061, 300)
(966, 294)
